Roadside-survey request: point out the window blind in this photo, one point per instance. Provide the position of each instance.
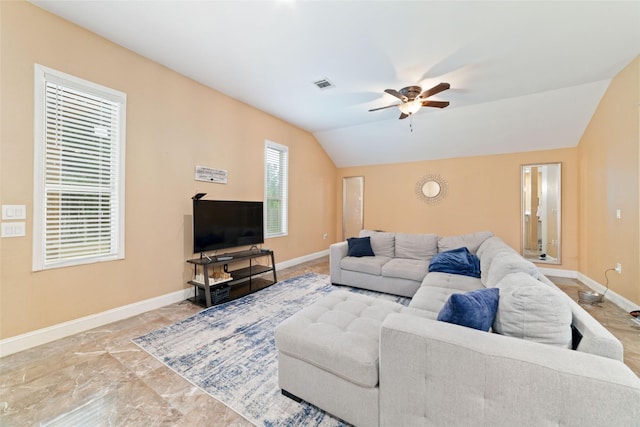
(81, 181)
(276, 180)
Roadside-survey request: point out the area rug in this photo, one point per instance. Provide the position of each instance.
(229, 350)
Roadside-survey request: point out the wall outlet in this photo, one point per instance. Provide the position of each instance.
(619, 268)
(324, 236)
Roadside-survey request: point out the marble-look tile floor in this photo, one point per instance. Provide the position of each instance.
(100, 378)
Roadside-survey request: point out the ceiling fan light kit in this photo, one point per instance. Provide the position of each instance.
(413, 98)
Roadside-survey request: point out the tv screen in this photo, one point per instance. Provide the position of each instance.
(220, 224)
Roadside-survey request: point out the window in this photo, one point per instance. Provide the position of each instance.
(275, 188)
(79, 141)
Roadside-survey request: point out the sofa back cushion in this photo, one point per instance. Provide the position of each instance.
(506, 263)
(382, 243)
(488, 250)
(471, 241)
(531, 310)
(416, 246)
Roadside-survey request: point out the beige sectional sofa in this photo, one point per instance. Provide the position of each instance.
(374, 362)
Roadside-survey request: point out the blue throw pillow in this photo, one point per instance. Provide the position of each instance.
(476, 309)
(360, 246)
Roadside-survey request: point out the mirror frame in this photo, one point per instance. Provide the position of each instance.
(427, 179)
(557, 214)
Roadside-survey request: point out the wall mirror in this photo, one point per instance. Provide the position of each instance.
(541, 188)
(431, 188)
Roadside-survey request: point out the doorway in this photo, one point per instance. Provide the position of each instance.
(352, 206)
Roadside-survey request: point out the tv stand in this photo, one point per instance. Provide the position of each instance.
(217, 292)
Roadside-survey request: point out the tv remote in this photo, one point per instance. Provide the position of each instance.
(224, 258)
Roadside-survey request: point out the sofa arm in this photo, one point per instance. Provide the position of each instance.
(337, 251)
(436, 373)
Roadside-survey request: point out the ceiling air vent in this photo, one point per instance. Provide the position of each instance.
(324, 84)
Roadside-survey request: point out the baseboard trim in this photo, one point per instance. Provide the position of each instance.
(61, 330)
(615, 298)
(51, 333)
(300, 260)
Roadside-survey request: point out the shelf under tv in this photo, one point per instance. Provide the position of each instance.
(208, 292)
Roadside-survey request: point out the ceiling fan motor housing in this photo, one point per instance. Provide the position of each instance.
(411, 92)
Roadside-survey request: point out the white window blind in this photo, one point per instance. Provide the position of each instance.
(276, 189)
(79, 195)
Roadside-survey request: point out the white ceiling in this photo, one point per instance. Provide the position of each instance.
(524, 75)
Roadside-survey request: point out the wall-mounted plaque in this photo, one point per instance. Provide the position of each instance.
(218, 176)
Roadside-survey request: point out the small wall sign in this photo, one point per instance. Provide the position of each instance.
(218, 176)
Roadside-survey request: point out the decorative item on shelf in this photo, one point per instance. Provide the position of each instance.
(431, 189)
(219, 276)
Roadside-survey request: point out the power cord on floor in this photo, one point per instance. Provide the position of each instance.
(607, 280)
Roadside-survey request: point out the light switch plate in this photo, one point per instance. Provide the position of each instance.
(13, 229)
(11, 212)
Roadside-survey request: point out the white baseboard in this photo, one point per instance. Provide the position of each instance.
(615, 298)
(51, 333)
(300, 260)
(61, 330)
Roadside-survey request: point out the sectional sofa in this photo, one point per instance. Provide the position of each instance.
(370, 361)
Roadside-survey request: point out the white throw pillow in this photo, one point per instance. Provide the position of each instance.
(532, 310)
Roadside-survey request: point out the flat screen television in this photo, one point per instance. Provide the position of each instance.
(221, 224)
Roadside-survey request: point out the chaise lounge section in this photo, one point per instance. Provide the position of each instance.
(373, 362)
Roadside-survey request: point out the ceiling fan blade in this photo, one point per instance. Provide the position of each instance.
(403, 116)
(437, 104)
(396, 94)
(382, 108)
(436, 89)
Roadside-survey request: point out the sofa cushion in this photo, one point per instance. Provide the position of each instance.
(370, 265)
(416, 246)
(506, 263)
(456, 261)
(531, 310)
(403, 268)
(471, 241)
(452, 281)
(475, 309)
(383, 243)
(359, 247)
(487, 253)
(431, 299)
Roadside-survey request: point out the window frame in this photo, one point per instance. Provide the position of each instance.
(284, 230)
(42, 76)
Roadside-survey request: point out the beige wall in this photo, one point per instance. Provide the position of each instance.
(173, 124)
(483, 194)
(608, 155)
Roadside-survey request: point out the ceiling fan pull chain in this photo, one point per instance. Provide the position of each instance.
(411, 123)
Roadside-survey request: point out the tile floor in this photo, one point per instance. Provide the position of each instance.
(100, 378)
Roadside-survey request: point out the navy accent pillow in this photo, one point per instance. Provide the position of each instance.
(476, 309)
(360, 246)
(456, 261)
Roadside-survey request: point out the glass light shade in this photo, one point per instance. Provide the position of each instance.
(410, 107)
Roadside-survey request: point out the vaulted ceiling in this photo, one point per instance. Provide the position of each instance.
(524, 75)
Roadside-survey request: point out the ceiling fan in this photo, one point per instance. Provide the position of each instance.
(413, 99)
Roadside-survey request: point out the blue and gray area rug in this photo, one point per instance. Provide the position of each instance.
(229, 351)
